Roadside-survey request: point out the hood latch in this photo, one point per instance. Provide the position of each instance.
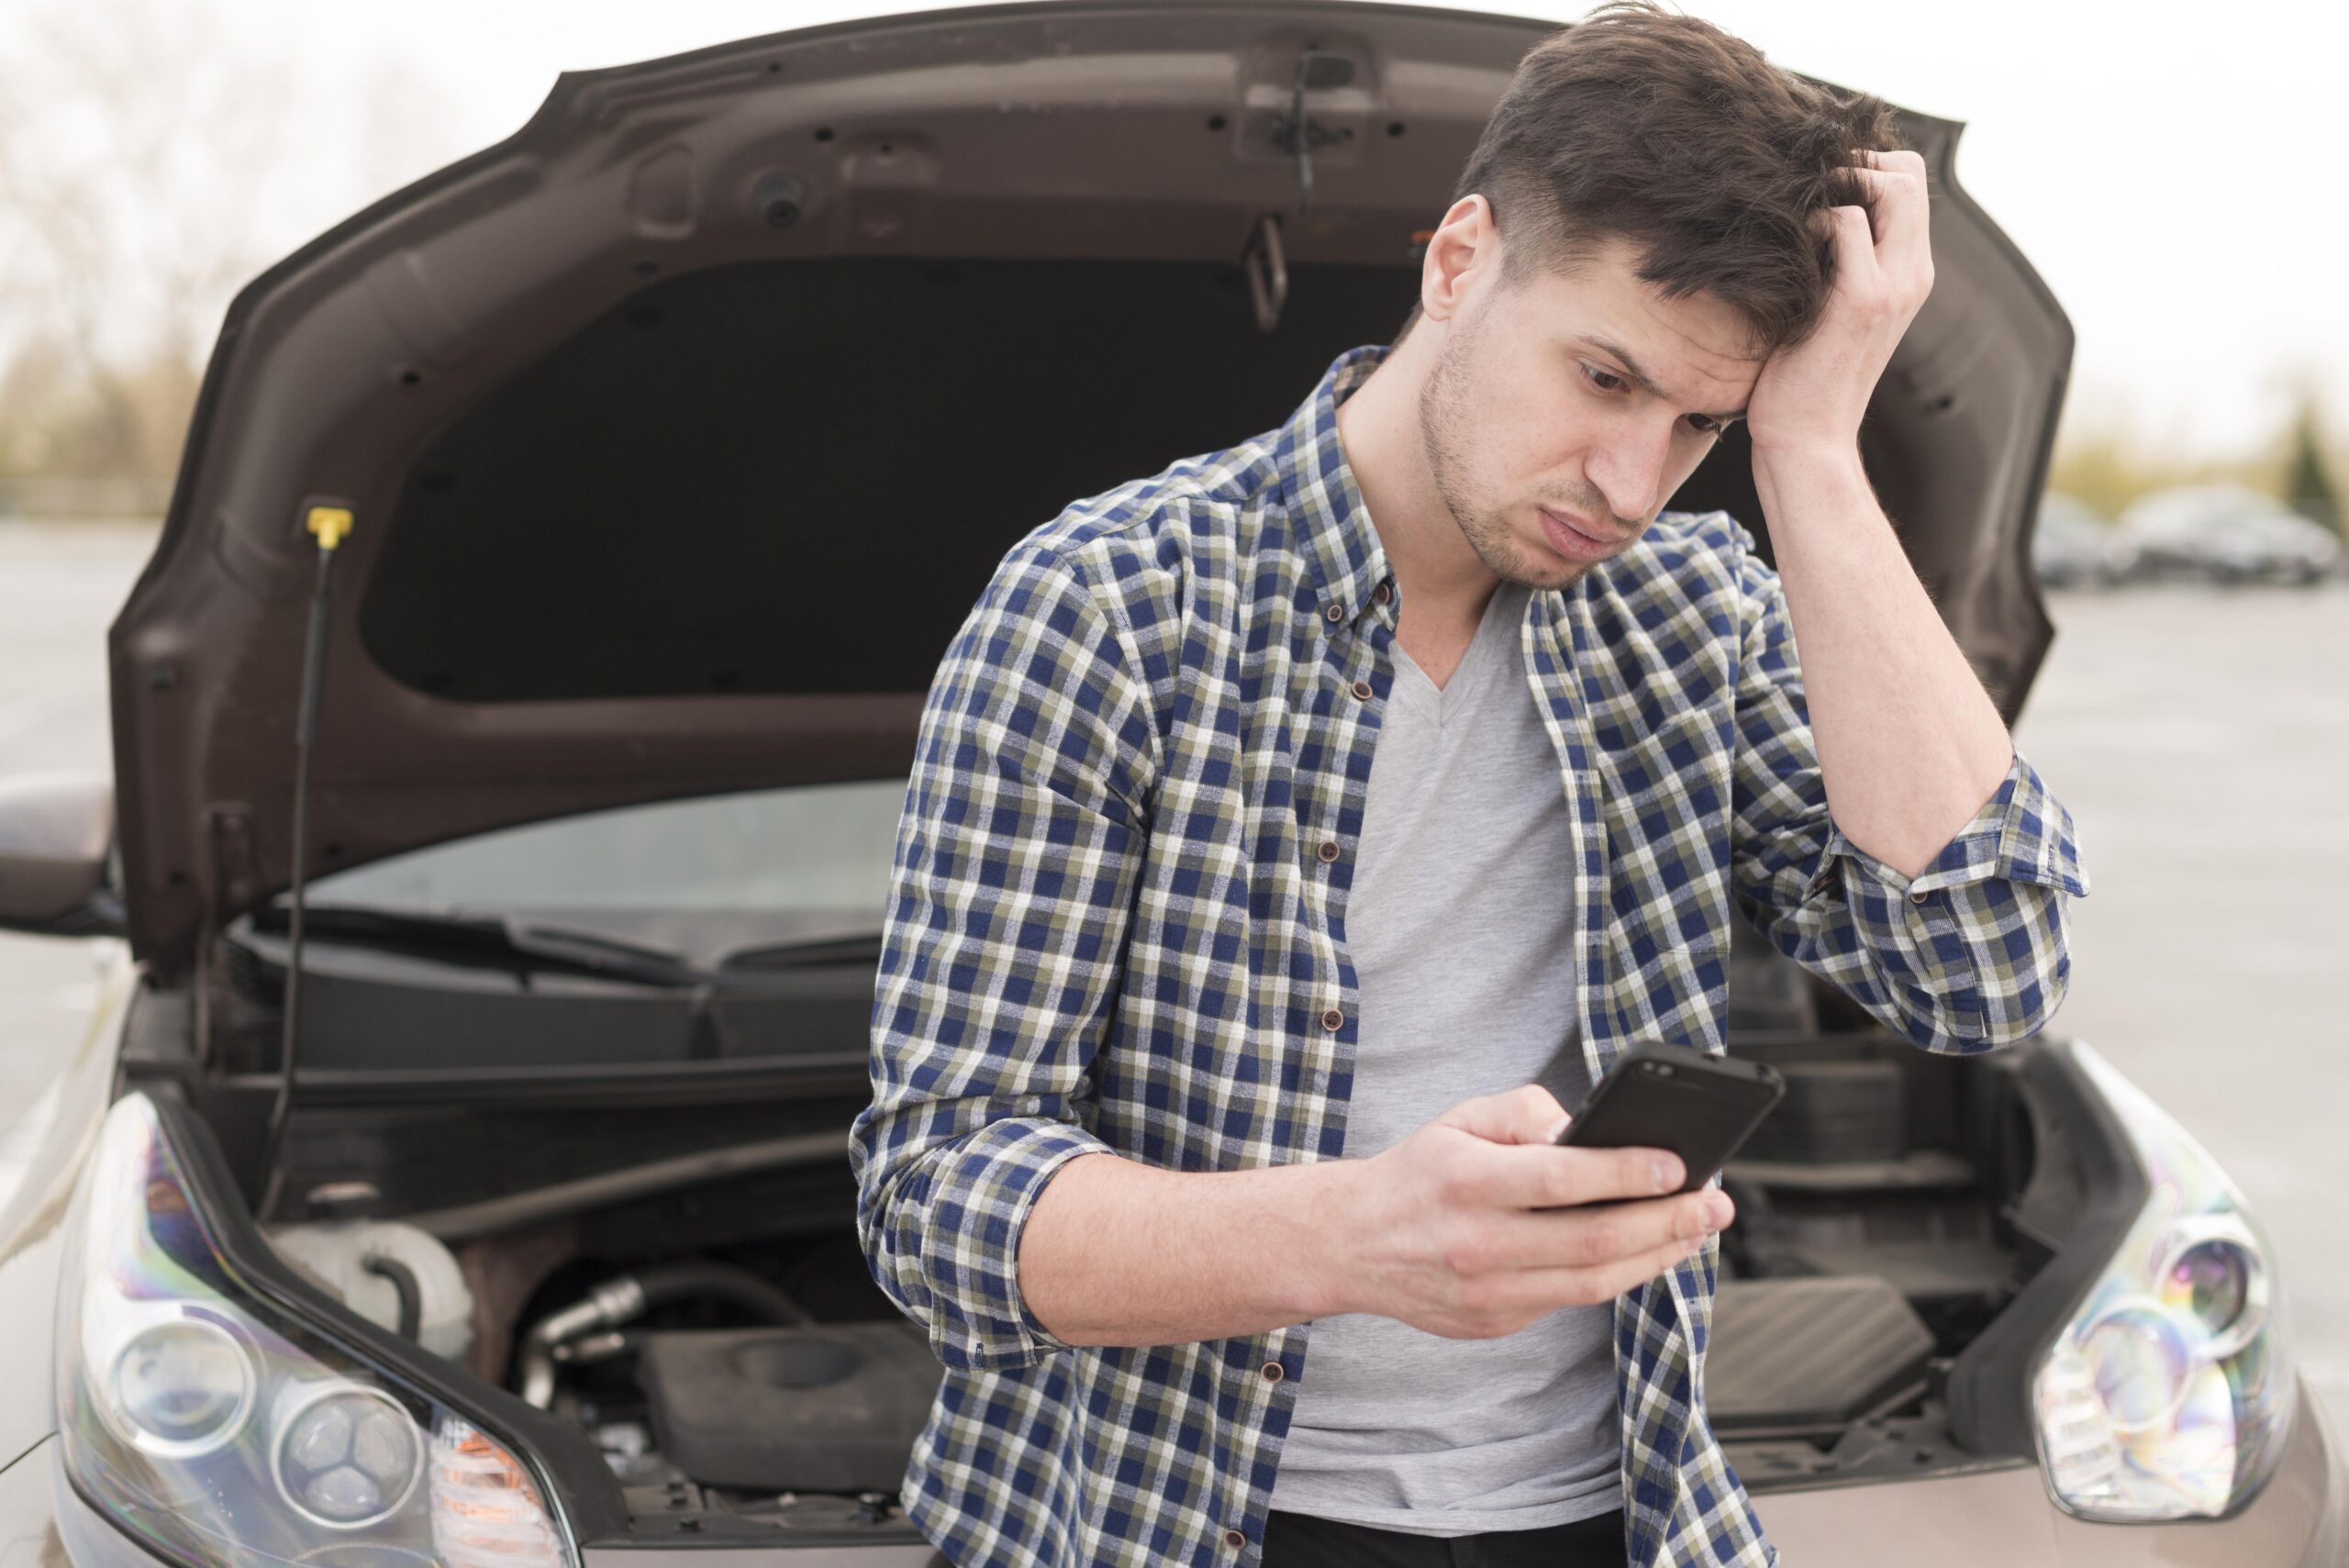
(1317, 71)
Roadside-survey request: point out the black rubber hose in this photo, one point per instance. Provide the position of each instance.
(708, 1278)
(402, 1280)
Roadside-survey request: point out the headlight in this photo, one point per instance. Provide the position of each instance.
(2168, 1394)
(216, 1427)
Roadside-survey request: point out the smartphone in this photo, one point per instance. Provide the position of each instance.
(1673, 1097)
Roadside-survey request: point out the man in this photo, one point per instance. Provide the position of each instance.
(1295, 833)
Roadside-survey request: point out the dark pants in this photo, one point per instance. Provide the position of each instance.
(1301, 1540)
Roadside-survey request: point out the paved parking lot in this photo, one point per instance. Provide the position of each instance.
(2200, 738)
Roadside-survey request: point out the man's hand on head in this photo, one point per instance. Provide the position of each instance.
(1813, 396)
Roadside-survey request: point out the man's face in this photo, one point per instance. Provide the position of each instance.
(1525, 410)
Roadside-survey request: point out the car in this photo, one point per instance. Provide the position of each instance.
(510, 732)
(2223, 533)
(2071, 546)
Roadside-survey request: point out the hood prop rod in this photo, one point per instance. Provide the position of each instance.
(328, 524)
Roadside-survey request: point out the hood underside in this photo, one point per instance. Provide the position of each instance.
(682, 429)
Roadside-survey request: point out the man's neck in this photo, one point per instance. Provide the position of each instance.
(1440, 581)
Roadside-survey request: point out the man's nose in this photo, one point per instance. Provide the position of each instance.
(1629, 469)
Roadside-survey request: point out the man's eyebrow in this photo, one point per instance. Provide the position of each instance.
(1631, 368)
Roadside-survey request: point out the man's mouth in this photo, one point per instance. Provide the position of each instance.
(1574, 539)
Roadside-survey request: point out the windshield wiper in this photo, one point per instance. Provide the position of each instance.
(804, 953)
(502, 941)
(490, 940)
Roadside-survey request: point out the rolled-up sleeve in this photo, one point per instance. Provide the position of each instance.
(1971, 953)
(1011, 885)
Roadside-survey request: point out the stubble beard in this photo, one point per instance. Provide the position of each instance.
(1443, 436)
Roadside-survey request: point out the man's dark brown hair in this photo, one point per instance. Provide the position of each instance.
(1665, 130)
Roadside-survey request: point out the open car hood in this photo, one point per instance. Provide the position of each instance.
(682, 429)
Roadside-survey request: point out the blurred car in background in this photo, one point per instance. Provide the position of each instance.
(2071, 545)
(2223, 533)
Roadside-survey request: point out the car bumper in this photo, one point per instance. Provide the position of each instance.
(43, 1521)
(2002, 1517)
(2005, 1517)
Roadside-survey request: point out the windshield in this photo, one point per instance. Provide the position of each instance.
(699, 877)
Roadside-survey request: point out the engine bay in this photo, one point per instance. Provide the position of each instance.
(728, 1359)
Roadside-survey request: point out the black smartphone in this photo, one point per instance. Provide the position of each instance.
(1673, 1097)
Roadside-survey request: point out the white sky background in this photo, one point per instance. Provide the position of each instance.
(2170, 170)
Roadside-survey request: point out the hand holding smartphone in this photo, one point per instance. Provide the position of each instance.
(1471, 1229)
(1670, 1097)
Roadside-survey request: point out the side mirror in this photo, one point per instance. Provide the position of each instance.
(56, 854)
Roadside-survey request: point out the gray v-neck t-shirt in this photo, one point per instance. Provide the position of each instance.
(1462, 925)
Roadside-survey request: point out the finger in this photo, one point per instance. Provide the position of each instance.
(1846, 228)
(1902, 217)
(1535, 1289)
(1892, 158)
(1528, 1114)
(1633, 1273)
(1554, 1177)
(1904, 251)
(1587, 1238)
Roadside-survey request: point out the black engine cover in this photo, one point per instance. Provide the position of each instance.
(833, 1407)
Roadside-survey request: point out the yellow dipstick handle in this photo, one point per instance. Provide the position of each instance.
(329, 523)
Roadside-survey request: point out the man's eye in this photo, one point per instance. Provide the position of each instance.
(1703, 424)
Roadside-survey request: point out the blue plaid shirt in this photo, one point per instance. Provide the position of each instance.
(1110, 927)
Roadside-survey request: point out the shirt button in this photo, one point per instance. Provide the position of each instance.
(1917, 897)
(1362, 690)
(1820, 883)
(1381, 594)
(1336, 612)
(1275, 1372)
(1329, 851)
(1333, 1020)
(1234, 1538)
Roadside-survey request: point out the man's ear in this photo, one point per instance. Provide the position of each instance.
(1462, 254)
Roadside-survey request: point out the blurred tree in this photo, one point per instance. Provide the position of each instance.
(153, 158)
(2306, 484)
(2110, 466)
(124, 130)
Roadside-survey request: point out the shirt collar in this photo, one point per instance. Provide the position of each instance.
(1333, 524)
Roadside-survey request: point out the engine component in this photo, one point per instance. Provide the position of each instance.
(1834, 1112)
(624, 1297)
(834, 1409)
(391, 1273)
(1795, 1356)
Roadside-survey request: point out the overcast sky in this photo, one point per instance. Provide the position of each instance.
(2171, 171)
